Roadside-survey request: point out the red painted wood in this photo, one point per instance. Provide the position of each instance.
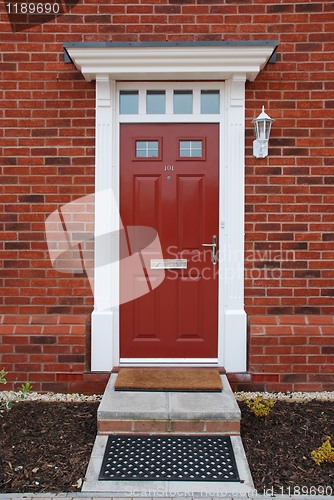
(179, 319)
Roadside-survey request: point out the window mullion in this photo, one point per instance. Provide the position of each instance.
(142, 102)
(169, 101)
(196, 102)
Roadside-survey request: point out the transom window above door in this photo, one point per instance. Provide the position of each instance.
(152, 99)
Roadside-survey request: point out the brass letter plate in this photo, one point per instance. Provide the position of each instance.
(169, 263)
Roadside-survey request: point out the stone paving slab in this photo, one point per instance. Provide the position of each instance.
(214, 405)
(126, 404)
(168, 405)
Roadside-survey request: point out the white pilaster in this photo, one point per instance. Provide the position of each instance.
(232, 250)
(105, 350)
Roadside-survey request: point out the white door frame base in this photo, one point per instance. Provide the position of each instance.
(229, 63)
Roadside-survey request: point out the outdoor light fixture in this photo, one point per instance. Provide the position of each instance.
(262, 126)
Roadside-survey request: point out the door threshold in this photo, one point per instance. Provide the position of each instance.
(193, 362)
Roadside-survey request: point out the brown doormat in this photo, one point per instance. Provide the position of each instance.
(168, 379)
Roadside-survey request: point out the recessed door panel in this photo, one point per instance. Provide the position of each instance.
(190, 321)
(190, 211)
(146, 326)
(146, 200)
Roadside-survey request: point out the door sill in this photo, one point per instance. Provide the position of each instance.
(169, 362)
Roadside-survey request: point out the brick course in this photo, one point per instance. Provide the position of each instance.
(289, 353)
(141, 426)
(47, 160)
(44, 351)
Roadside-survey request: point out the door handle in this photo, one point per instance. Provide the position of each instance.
(214, 249)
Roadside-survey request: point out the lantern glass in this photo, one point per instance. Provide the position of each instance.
(262, 126)
(262, 130)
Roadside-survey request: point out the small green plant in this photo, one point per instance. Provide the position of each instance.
(4, 404)
(260, 407)
(2, 376)
(25, 388)
(325, 453)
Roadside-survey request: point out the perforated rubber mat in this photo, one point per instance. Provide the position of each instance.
(169, 458)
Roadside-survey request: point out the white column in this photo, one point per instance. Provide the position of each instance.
(233, 350)
(105, 352)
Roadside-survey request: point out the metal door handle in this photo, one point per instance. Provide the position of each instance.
(214, 249)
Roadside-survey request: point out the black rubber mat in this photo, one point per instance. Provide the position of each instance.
(169, 458)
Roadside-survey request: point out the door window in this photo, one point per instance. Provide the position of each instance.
(190, 149)
(147, 149)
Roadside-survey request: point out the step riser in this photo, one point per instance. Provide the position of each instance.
(140, 412)
(128, 426)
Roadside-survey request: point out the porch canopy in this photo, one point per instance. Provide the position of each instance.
(170, 60)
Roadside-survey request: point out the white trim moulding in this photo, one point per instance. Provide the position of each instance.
(229, 63)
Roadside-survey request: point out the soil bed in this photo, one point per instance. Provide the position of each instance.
(279, 448)
(45, 446)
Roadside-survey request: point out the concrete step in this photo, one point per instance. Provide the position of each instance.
(168, 412)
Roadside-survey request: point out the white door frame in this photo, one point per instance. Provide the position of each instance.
(231, 65)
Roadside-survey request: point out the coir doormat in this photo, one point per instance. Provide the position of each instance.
(168, 379)
(169, 458)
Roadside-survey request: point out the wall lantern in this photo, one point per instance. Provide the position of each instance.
(262, 126)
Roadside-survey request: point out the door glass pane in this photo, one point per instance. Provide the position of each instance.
(147, 149)
(155, 102)
(210, 102)
(128, 102)
(183, 102)
(190, 148)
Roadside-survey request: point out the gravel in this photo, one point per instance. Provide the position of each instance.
(287, 396)
(277, 396)
(49, 396)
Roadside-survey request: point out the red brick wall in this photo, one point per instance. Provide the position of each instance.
(47, 145)
(289, 353)
(49, 351)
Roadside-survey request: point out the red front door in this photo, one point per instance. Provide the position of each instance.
(169, 181)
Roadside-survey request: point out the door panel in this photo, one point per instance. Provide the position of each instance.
(190, 212)
(146, 196)
(175, 191)
(190, 324)
(145, 324)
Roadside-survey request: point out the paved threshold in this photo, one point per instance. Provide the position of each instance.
(151, 412)
(120, 405)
